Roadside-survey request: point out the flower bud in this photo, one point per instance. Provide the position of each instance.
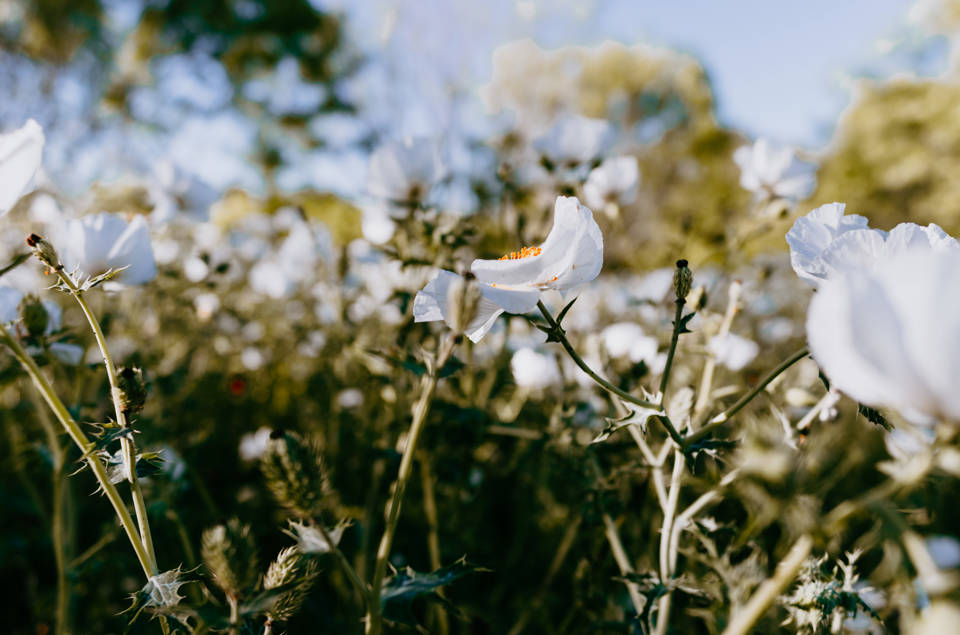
(682, 280)
(133, 390)
(230, 555)
(463, 299)
(34, 316)
(44, 251)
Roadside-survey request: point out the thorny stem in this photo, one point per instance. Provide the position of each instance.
(725, 416)
(561, 337)
(742, 622)
(433, 535)
(126, 443)
(374, 617)
(86, 447)
(347, 568)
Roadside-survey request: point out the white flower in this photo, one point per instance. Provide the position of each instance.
(626, 339)
(206, 305)
(405, 171)
(534, 370)
(93, 244)
(575, 139)
(888, 335)
(827, 243)
(20, 156)
(733, 351)
(571, 255)
(766, 169)
(612, 182)
(377, 225)
(254, 444)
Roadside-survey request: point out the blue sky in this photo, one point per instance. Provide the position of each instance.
(779, 69)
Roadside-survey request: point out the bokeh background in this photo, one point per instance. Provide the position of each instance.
(227, 123)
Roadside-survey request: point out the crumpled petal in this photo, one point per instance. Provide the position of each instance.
(21, 153)
(813, 233)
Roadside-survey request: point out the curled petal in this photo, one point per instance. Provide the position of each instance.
(20, 156)
(813, 233)
(572, 254)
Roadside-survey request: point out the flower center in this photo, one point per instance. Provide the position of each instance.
(525, 252)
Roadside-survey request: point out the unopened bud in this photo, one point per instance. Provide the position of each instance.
(682, 280)
(44, 251)
(133, 390)
(34, 316)
(463, 300)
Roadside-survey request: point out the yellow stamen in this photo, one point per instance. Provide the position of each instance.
(525, 252)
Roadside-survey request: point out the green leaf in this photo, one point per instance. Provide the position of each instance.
(684, 321)
(452, 366)
(402, 589)
(563, 312)
(264, 600)
(873, 416)
(18, 260)
(90, 283)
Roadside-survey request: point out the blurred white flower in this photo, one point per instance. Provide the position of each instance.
(626, 339)
(377, 225)
(206, 305)
(571, 255)
(575, 139)
(613, 182)
(254, 444)
(350, 398)
(9, 302)
(534, 370)
(405, 171)
(733, 351)
(766, 170)
(93, 244)
(825, 242)
(20, 155)
(890, 335)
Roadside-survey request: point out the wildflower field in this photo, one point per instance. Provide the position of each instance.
(292, 343)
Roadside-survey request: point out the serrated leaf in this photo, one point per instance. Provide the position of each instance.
(873, 416)
(684, 321)
(402, 589)
(264, 600)
(409, 363)
(708, 445)
(452, 366)
(637, 417)
(109, 274)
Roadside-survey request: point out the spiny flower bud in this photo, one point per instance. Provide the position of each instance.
(294, 473)
(682, 280)
(294, 570)
(463, 299)
(44, 251)
(230, 555)
(34, 316)
(133, 390)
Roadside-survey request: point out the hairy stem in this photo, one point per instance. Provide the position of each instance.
(126, 442)
(374, 617)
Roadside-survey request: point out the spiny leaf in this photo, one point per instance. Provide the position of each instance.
(684, 321)
(873, 416)
(402, 589)
(637, 417)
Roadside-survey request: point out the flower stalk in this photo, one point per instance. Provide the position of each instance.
(374, 622)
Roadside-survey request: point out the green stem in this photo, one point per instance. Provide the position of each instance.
(374, 617)
(674, 338)
(126, 442)
(561, 337)
(725, 416)
(347, 568)
(86, 447)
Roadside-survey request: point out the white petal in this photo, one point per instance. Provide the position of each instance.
(21, 153)
(572, 254)
(134, 251)
(813, 233)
